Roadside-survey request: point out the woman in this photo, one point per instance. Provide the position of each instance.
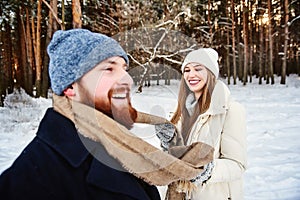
(207, 113)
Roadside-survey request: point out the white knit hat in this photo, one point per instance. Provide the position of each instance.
(205, 56)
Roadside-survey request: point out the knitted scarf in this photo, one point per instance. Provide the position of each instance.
(138, 157)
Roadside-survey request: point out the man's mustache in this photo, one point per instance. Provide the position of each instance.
(126, 115)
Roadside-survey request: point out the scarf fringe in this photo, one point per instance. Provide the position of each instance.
(186, 187)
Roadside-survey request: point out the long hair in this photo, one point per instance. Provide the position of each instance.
(187, 121)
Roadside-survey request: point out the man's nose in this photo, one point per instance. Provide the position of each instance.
(126, 79)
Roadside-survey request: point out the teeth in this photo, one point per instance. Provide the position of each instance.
(194, 82)
(119, 96)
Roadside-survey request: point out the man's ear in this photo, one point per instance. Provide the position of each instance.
(69, 92)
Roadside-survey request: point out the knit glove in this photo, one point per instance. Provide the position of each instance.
(205, 175)
(165, 132)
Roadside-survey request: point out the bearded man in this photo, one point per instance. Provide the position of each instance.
(60, 163)
(83, 148)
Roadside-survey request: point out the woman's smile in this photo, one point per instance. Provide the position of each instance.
(194, 82)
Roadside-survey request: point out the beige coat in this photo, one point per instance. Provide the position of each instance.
(223, 126)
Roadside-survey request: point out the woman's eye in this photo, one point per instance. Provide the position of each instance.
(187, 70)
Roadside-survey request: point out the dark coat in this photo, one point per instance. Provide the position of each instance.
(56, 165)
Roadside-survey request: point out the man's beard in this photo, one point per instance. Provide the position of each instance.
(119, 109)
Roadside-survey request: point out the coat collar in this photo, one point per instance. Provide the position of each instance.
(219, 100)
(60, 133)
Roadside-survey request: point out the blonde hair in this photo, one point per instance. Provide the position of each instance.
(187, 121)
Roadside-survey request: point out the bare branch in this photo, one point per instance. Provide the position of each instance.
(290, 23)
(134, 60)
(59, 21)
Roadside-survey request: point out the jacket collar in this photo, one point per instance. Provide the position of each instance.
(219, 100)
(60, 133)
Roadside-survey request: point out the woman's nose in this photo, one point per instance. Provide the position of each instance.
(193, 72)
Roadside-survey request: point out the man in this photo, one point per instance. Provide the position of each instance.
(83, 148)
(64, 161)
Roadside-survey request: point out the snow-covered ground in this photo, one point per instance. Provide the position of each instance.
(273, 116)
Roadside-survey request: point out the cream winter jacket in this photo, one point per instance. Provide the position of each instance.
(222, 126)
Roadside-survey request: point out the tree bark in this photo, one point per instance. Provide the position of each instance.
(51, 28)
(286, 38)
(8, 64)
(261, 52)
(251, 20)
(209, 22)
(271, 72)
(76, 13)
(233, 41)
(228, 45)
(25, 78)
(38, 58)
(245, 34)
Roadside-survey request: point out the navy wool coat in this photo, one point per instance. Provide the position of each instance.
(57, 165)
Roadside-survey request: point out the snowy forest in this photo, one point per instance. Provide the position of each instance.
(254, 38)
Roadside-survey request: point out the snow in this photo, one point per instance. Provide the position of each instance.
(273, 114)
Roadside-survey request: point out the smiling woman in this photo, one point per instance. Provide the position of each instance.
(207, 113)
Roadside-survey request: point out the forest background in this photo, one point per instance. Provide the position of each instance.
(254, 38)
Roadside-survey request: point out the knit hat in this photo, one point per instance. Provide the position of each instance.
(205, 56)
(74, 52)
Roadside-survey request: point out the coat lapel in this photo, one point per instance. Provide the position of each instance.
(113, 180)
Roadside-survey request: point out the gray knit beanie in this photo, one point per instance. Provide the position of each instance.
(74, 52)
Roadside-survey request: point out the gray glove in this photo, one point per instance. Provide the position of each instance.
(165, 132)
(205, 175)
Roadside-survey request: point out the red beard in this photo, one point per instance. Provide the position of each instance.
(122, 112)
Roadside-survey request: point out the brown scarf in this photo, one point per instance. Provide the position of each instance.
(134, 154)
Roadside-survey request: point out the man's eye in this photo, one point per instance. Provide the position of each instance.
(109, 69)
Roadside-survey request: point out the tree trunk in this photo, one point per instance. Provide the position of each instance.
(29, 48)
(261, 52)
(228, 45)
(25, 78)
(267, 55)
(233, 41)
(250, 42)
(52, 27)
(8, 65)
(76, 13)
(143, 78)
(38, 58)
(63, 15)
(286, 38)
(240, 55)
(245, 34)
(209, 22)
(2, 90)
(271, 72)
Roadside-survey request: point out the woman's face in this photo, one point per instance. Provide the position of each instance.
(195, 76)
